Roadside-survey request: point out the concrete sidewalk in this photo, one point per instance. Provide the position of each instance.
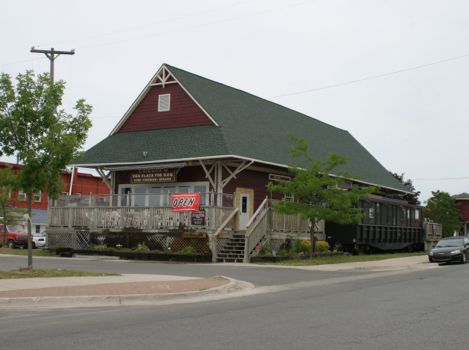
(110, 290)
(418, 262)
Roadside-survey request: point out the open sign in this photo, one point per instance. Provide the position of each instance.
(185, 201)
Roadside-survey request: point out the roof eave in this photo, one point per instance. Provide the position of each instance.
(104, 165)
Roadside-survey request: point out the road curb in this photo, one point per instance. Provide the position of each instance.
(231, 286)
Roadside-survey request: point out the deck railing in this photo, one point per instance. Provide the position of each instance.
(294, 223)
(136, 199)
(98, 213)
(146, 218)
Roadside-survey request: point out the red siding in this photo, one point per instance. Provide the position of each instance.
(85, 184)
(250, 179)
(183, 113)
(464, 209)
(82, 183)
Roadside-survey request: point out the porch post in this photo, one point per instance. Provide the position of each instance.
(219, 170)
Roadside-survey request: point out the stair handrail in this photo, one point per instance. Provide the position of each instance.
(258, 211)
(225, 222)
(219, 230)
(253, 236)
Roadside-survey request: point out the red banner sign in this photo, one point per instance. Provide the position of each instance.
(185, 202)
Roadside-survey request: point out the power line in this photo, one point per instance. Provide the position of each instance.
(20, 61)
(105, 116)
(372, 77)
(442, 178)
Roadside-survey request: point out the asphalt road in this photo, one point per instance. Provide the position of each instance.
(258, 275)
(427, 309)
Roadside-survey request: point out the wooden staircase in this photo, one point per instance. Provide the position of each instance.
(232, 249)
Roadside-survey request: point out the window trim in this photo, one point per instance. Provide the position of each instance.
(21, 196)
(40, 197)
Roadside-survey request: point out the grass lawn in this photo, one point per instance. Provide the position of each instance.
(338, 259)
(20, 251)
(25, 273)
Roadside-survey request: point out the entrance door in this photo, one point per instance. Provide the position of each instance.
(244, 203)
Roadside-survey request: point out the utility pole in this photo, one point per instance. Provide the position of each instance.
(52, 55)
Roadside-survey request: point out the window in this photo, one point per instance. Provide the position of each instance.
(125, 195)
(164, 103)
(371, 212)
(139, 196)
(37, 196)
(38, 228)
(244, 204)
(154, 196)
(202, 189)
(159, 195)
(167, 192)
(21, 195)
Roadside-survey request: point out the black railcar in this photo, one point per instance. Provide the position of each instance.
(387, 225)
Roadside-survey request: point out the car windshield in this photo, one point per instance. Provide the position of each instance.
(450, 243)
(15, 228)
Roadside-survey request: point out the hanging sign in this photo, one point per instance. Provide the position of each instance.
(198, 217)
(151, 176)
(185, 201)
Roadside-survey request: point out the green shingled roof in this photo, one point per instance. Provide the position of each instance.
(249, 127)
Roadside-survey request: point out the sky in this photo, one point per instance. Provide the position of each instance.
(392, 73)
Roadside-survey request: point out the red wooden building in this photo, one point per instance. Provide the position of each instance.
(463, 203)
(188, 134)
(82, 184)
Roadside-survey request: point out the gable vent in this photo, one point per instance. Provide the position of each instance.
(164, 102)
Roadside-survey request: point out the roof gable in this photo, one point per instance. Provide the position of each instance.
(183, 111)
(143, 114)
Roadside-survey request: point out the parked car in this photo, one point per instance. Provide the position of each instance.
(450, 249)
(15, 236)
(39, 240)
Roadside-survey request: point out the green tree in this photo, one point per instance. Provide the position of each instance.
(8, 214)
(318, 195)
(43, 137)
(443, 209)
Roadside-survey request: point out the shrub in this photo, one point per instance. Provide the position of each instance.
(141, 247)
(322, 246)
(266, 251)
(98, 246)
(303, 246)
(187, 250)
